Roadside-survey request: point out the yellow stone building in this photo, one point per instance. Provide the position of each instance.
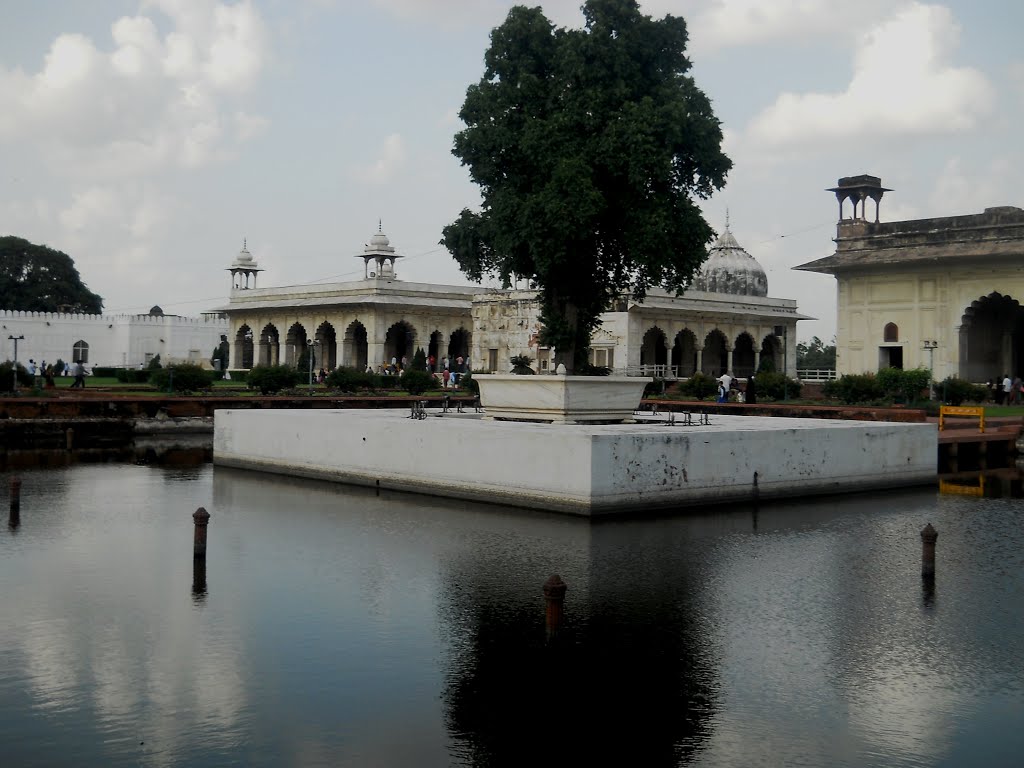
(940, 293)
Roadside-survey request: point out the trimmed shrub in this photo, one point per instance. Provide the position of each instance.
(699, 386)
(954, 391)
(905, 386)
(655, 387)
(417, 382)
(154, 364)
(351, 379)
(854, 388)
(271, 379)
(182, 377)
(239, 375)
(130, 376)
(776, 386)
(419, 360)
(468, 383)
(25, 379)
(106, 372)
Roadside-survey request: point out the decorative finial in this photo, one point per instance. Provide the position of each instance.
(244, 244)
(380, 226)
(726, 219)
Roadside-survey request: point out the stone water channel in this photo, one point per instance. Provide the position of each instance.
(333, 626)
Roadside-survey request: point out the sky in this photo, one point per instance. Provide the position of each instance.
(148, 139)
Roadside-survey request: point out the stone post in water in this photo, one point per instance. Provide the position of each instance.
(201, 518)
(928, 538)
(554, 596)
(15, 513)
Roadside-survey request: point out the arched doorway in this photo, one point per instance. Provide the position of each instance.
(399, 342)
(684, 354)
(244, 345)
(715, 360)
(327, 341)
(743, 356)
(992, 339)
(355, 349)
(458, 346)
(654, 349)
(295, 346)
(771, 354)
(434, 349)
(270, 345)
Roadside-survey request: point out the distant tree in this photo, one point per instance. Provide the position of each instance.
(419, 360)
(816, 354)
(588, 146)
(39, 279)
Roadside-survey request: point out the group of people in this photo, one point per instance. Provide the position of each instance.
(47, 373)
(450, 370)
(728, 388)
(1006, 390)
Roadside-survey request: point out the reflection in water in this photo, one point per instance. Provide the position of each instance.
(992, 484)
(347, 628)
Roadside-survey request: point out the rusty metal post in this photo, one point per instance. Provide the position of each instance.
(199, 577)
(554, 596)
(201, 518)
(14, 518)
(928, 538)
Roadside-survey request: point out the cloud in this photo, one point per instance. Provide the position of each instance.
(903, 85)
(390, 162)
(146, 102)
(730, 23)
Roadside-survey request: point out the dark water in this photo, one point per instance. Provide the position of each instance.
(336, 627)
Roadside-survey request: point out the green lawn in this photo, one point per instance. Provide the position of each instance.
(1004, 410)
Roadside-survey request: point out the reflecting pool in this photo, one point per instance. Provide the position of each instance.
(335, 627)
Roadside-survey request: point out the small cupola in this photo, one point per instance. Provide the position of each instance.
(244, 269)
(380, 251)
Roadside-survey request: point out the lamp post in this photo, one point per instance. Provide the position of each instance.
(311, 345)
(14, 367)
(930, 346)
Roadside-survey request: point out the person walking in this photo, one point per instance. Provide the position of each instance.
(78, 371)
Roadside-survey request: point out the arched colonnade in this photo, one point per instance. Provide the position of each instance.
(712, 352)
(355, 342)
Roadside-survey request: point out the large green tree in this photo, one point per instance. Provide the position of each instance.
(589, 146)
(38, 278)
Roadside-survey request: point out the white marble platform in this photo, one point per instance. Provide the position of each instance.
(580, 469)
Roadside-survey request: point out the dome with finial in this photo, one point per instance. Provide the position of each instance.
(730, 269)
(379, 243)
(244, 258)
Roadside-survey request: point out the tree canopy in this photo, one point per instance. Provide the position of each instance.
(816, 354)
(38, 278)
(588, 146)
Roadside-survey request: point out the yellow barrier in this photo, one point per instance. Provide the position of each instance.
(962, 410)
(945, 486)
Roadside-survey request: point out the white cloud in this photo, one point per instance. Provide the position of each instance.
(730, 23)
(903, 85)
(390, 162)
(147, 102)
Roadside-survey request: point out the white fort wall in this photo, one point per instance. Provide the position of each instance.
(585, 470)
(113, 340)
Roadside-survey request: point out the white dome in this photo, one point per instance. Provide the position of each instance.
(243, 259)
(730, 269)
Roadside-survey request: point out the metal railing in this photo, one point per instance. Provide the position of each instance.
(816, 374)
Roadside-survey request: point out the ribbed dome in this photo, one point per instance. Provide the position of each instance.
(730, 269)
